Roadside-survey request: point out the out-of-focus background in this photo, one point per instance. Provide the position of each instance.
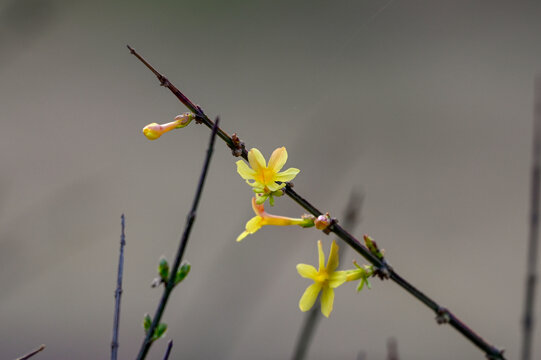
(423, 106)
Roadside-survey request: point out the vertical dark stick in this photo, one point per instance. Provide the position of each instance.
(182, 247)
(531, 276)
(314, 315)
(118, 291)
(168, 351)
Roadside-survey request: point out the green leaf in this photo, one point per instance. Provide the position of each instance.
(160, 330)
(163, 269)
(182, 272)
(147, 321)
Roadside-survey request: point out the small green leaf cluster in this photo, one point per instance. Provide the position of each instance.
(158, 332)
(164, 273)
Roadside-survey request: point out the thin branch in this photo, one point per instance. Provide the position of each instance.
(118, 291)
(168, 351)
(443, 315)
(313, 316)
(168, 288)
(392, 349)
(32, 353)
(531, 276)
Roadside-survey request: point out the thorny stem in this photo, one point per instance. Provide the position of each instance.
(443, 315)
(118, 291)
(168, 288)
(32, 353)
(531, 275)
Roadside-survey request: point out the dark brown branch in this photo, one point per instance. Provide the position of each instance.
(443, 315)
(118, 291)
(531, 275)
(32, 353)
(168, 288)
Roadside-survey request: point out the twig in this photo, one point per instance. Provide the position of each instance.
(168, 288)
(118, 291)
(168, 351)
(32, 353)
(392, 349)
(313, 316)
(443, 315)
(531, 276)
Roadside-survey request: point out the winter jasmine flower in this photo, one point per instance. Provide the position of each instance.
(326, 279)
(264, 178)
(262, 218)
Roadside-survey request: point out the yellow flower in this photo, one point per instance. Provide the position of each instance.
(154, 131)
(263, 178)
(262, 218)
(326, 279)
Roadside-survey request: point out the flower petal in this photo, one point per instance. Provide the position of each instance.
(274, 186)
(257, 161)
(309, 297)
(244, 170)
(242, 236)
(327, 300)
(337, 278)
(307, 271)
(286, 175)
(332, 263)
(278, 159)
(321, 255)
(254, 224)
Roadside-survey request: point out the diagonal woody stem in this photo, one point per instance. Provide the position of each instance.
(443, 315)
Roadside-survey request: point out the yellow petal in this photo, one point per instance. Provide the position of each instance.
(254, 224)
(309, 297)
(321, 255)
(242, 236)
(337, 278)
(307, 271)
(274, 186)
(278, 159)
(327, 300)
(287, 175)
(257, 161)
(244, 170)
(332, 264)
(255, 185)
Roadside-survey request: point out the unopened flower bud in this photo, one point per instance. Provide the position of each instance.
(323, 221)
(154, 130)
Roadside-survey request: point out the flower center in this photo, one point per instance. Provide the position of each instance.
(265, 176)
(322, 277)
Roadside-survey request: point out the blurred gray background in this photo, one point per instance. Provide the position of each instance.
(425, 106)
